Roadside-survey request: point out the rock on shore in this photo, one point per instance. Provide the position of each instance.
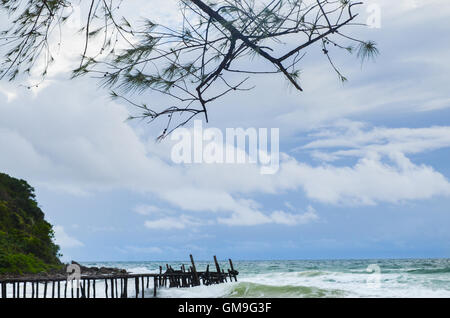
(85, 271)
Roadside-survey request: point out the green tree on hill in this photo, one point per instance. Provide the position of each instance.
(26, 239)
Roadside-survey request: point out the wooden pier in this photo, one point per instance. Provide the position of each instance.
(117, 286)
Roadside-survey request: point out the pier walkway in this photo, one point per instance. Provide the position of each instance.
(117, 286)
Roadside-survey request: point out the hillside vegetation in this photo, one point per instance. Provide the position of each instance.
(26, 239)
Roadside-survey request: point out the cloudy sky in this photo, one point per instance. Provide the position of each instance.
(364, 169)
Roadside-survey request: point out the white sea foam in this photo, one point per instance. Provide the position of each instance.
(354, 285)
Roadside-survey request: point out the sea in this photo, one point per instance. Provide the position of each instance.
(383, 278)
(389, 278)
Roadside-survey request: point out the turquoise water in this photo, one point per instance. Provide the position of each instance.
(325, 278)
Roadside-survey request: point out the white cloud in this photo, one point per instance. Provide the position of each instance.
(173, 223)
(44, 144)
(165, 224)
(369, 181)
(68, 138)
(143, 209)
(9, 93)
(435, 104)
(281, 217)
(252, 217)
(358, 141)
(245, 215)
(64, 240)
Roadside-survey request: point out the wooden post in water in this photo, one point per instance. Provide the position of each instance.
(219, 278)
(37, 289)
(106, 288)
(194, 271)
(155, 285)
(94, 287)
(232, 269)
(59, 289)
(207, 279)
(190, 277)
(136, 286)
(183, 278)
(24, 289)
(45, 289)
(217, 264)
(224, 276)
(143, 286)
(83, 289)
(125, 288)
(112, 287)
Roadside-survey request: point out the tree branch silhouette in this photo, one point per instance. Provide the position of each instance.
(192, 64)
